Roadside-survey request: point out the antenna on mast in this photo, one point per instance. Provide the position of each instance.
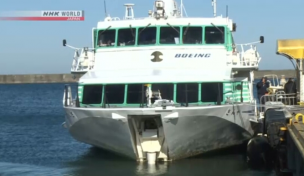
(226, 11)
(214, 7)
(105, 8)
(181, 8)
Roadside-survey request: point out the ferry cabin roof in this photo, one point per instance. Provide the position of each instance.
(163, 22)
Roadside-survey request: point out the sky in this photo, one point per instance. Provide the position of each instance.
(33, 47)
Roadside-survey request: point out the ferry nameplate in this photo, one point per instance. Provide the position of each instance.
(192, 55)
(157, 56)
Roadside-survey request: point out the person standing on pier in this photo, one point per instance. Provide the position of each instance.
(262, 87)
(291, 89)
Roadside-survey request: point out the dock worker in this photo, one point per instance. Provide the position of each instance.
(291, 89)
(262, 89)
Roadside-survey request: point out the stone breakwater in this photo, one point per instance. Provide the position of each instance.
(69, 78)
(38, 78)
(288, 73)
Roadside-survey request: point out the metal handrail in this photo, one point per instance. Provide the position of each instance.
(280, 96)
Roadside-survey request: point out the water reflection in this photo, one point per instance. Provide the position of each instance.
(222, 163)
(152, 170)
(98, 162)
(15, 169)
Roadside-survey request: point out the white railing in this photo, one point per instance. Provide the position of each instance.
(84, 61)
(112, 19)
(68, 100)
(280, 96)
(274, 78)
(245, 58)
(67, 96)
(142, 18)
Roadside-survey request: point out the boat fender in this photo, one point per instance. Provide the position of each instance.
(259, 152)
(276, 133)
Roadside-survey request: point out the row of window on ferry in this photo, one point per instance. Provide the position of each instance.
(132, 93)
(172, 35)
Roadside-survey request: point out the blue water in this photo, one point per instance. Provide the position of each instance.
(33, 143)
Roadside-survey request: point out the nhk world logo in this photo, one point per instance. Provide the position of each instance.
(45, 15)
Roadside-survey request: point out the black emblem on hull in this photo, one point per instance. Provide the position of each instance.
(156, 55)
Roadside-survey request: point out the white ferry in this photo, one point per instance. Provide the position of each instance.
(163, 87)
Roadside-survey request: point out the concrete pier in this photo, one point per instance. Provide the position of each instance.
(295, 145)
(69, 78)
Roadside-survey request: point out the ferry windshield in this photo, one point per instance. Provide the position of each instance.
(189, 89)
(169, 35)
(147, 35)
(106, 37)
(211, 92)
(214, 35)
(126, 37)
(92, 94)
(114, 94)
(135, 93)
(192, 35)
(139, 94)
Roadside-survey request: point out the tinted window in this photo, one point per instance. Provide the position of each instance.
(92, 94)
(147, 36)
(114, 94)
(106, 37)
(126, 37)
(169, 35)
(210, 92)
(214, 35)
(192, 35)
(166, 90)
(134, 94)
(192, 93)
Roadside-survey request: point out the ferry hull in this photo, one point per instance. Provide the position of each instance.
(188, 131)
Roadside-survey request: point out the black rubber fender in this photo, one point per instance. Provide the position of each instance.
(259, 151)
